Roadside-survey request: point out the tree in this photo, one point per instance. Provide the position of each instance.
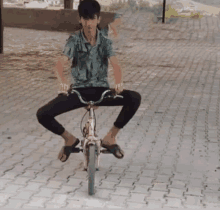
(1, 27)
(164, 8)
(68, 4)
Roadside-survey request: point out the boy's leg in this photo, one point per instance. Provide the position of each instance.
(61, 104)
(130, 103)
(109, 139)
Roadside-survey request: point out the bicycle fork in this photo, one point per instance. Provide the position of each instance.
(91, 139)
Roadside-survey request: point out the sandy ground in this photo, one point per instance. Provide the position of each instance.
(189, 5)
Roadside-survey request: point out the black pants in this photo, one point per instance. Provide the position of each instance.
(62, 103)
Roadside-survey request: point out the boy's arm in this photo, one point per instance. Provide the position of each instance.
(117, 73)
(59, 68)
(59, 72)
(115, 23)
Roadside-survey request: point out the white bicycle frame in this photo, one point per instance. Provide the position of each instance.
(91, 139)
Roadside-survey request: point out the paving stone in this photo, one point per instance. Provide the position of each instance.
(156, 195)
(59, 199)
(175, 193)
(36, 202)
(131, 205)
(5, 196)
(4, 182)
(52, 206)
(75, 204)
(74, 182)
(137, 198)
(80, 175)
(41, 178)
(134, 168)
(180, 177)
(45, 192)
(107, 185)
(9, 175)
(174, 203)
(117, 170)
(160, 187)
(195, 183)
(11, 188)
(30, 173)
(24, 195)
(154, 204)
(112, 178)
(148, 173)
(162, 179)
(165, 171)
(67, 189)
(141, 189)
(193, 201)
(130, 175)
(54, 184)
(104, 193)
(194, 191)
(211, 198)
(21, 180)
(117, 200)
(178, 184)
(144, 181)
(94, 203)
(15, 203)
(121, 191)
(33, 186)
(126, 183)
(211, 206)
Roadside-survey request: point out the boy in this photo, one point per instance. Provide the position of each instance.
(89, 51)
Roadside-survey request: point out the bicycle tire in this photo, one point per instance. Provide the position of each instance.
(91, 169)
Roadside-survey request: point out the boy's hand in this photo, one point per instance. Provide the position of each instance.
(63, 88)
(119, 88)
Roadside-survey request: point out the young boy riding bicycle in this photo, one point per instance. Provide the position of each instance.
(89, 50)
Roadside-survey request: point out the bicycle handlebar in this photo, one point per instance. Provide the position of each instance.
(96, 102)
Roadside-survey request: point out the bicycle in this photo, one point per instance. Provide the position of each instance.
(91, 145)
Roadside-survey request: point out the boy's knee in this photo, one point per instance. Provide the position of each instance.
(39, 114)
(137, 96)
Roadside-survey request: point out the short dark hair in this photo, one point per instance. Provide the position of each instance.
(88, 9)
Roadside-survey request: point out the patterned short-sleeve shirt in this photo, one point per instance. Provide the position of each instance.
(89, 63)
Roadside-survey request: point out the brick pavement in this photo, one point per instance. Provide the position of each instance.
(171, 144)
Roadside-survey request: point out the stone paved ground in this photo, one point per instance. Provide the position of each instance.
(171, 145)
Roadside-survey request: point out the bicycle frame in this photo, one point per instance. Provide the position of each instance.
(91, 139)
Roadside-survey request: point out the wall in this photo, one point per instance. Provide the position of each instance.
(50, 20)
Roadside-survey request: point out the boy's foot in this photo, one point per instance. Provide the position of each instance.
(115, 150)
(109, 143)
(66, 150)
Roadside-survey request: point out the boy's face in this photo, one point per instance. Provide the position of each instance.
(90, 24)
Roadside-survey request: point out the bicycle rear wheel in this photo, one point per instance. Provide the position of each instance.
(91, 169)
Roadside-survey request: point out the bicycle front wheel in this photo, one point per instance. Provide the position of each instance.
(91, 169)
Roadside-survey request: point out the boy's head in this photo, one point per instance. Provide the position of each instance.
(89, 14)
(87, 9)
